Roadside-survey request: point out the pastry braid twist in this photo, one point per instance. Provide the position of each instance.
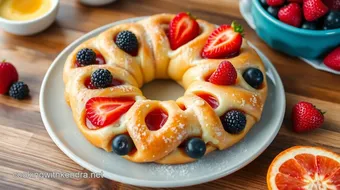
(189, 116)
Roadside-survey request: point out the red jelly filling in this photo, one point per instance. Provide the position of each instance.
(89, 85)
(209, 99)
(99, 60)
(182, 107)
(156, 119)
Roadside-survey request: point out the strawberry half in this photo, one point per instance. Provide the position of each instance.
(314, 9)
(225, 74)
(306, 117)
(332, 60)
(102, 111)
(183, 28)
(224, 41)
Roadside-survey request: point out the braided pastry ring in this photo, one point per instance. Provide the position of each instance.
(189, 116)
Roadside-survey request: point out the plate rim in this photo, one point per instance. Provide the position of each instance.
(139, 182)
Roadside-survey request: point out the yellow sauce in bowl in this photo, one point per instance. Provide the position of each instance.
(24, 9)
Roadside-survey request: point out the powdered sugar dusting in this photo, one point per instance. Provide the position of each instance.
(212, 163)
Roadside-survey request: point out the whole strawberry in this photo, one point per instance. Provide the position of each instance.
(332, 4)
(295, 1)
(306, 117)
(8, 76)
(314, 9)
(332, 60)
(225, 74)
(275, 2)
(291, 14)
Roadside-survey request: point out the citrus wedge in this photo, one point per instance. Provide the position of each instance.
(304, 168)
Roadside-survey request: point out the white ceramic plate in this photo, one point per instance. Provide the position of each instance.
(59, 123)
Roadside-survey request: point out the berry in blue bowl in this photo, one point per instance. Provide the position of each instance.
(303, 28)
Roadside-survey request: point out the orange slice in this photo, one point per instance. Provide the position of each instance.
(304, 168)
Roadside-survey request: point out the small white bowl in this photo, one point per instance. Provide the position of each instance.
(30, 27)
(97, 2)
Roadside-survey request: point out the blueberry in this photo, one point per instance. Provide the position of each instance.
(195, 148)
(332, 20)
(274, 11)
(234, 121)
(264, 3)
(253, 77)
(310, 25)
(122, 144)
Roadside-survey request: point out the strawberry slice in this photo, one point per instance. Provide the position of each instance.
(224, 42)
(225, 74)
(183, 28)
(102, 111)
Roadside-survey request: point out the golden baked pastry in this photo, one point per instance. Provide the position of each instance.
(106, 107)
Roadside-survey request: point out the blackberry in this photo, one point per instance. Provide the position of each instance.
(332, 20)
(127, 41)
(19, 90)
(234, 121)
(86, 57)
(101, 78)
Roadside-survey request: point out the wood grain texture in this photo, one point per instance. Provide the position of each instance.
(25, 145)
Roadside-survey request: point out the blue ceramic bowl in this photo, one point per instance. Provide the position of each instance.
(291, 40)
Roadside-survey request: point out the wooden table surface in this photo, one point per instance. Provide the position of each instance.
(25, 145)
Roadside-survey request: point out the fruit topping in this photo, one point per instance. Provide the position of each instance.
(19, 90)
(234, 121)
(225, 74)
(183, 28)
(332, 20)
(254, 77)
(332, 60)
(122, 144)
(101, 78)
(195, 148)
(314, 9)
(8, 76)
(211, 100)
(127, 41)
(303, 167)
(156, 119)
(102, 111)
(86, 57)
(223, 42)
(275, 3)
(306, 117)
(89, 85)
(274, 11)
(291, 14)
